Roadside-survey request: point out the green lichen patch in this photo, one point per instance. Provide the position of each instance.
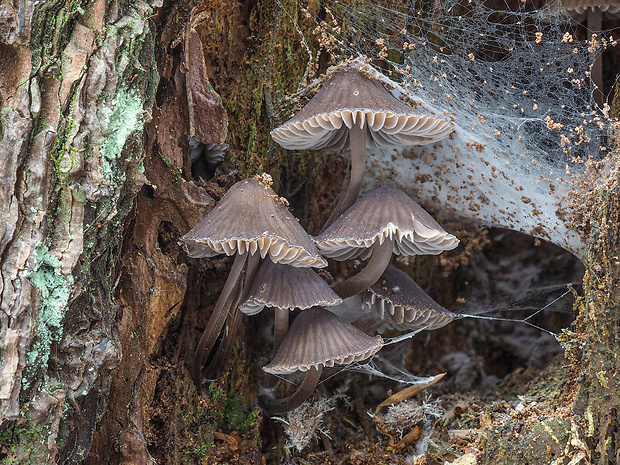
(124, 119)
(55, 291)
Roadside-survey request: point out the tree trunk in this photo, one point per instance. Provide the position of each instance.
(77, 83)
(596, 346)
(96, 190)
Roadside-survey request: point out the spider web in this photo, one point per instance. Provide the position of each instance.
(515, 80)
(515, 77)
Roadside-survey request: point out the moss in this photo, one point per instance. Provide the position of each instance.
(598, 325)
(239, 419)
(58, 154)
(166, 160)
(273, 64)
(546, 442)
(51, 30)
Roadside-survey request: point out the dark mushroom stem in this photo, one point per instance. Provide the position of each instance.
(281, 323)
(594, 19)
(280, 327)
(357, 142)
(213, 371)
(235, 317)
(303, 392)
(218, 317)
(380, 259)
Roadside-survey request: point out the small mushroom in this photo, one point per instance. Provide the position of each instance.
(607, 6)
(286, 288)
(249, 218)
(317, 339)
(384, 221)
(353, 109)
(205, 157)
(400, 303)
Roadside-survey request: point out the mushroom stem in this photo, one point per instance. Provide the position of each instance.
(218, 317)
(305, 390)
(280, 327)
(357, 142)
(594, 20)
(235, 318)
(225, 348)
(281, 324)
(369, 275)
(250, 273)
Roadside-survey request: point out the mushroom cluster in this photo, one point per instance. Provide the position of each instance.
(352, 110)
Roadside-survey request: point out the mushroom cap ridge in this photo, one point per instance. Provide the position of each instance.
(382, 213)
(287, 287)
(318, 337)
(351, 97)
(407, 306)
(580, 6)
(252, 217)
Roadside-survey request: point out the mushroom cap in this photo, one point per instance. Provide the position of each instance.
(287, 287)
(352, 97)
(580, 6)
(318, 337)
(384, 212)
(251, 217)
(401, 304)
(214, 153)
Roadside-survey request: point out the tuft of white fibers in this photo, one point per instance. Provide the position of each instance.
(303, 424)
(404, 416)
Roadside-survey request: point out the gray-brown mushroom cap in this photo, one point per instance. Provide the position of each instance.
(384, 213)
(581, 6)
(351, 97)
(316, 338)
(213, 153)
(402, 304)
(250, 218)
(287, 287)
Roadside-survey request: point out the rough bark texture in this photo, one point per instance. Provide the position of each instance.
(101, 310)
(91, 274)
(77, 85)
(599, 334)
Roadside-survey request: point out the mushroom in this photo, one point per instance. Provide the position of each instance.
(400, 303)
(353, 109)
(317, 339)
(205, 157)
(286, 288)
(384, 221)
(249, 218)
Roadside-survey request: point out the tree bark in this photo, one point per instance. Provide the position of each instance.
(97, 187)
(596, 344)
(78, 82)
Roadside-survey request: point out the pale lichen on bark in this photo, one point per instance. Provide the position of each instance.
(77, 89)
